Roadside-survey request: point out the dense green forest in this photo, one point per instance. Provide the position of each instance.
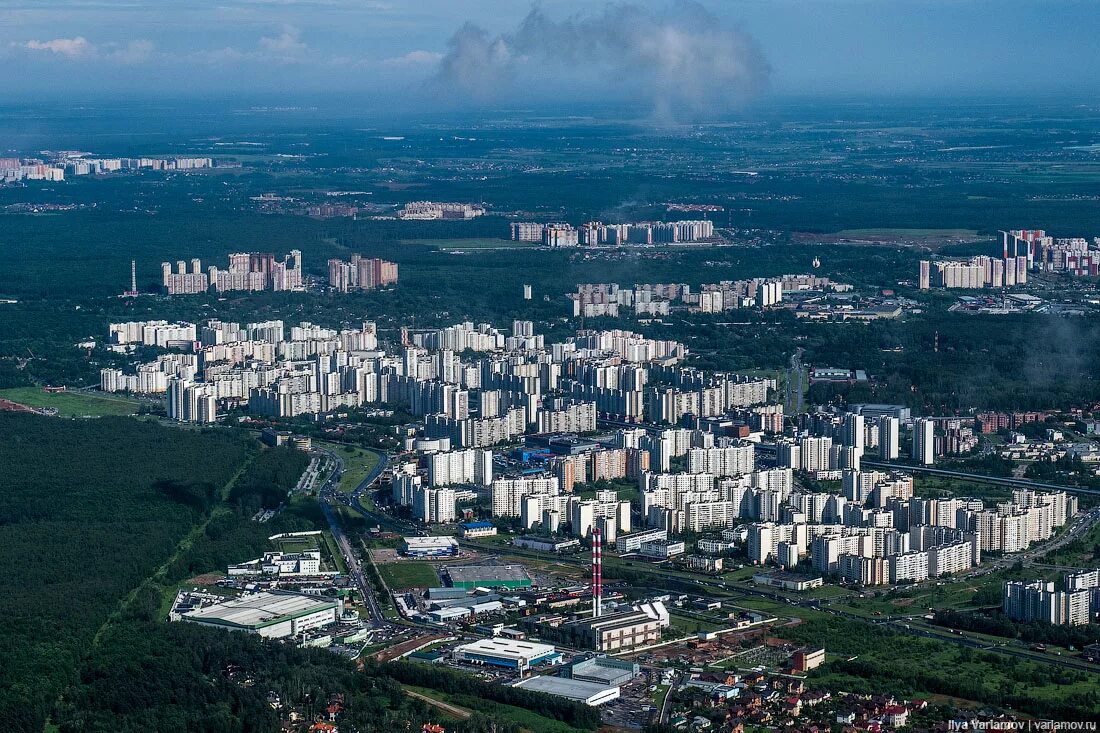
(97, 538)
(88, 509)
(151, 676)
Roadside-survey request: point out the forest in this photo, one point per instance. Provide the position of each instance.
(88, 509)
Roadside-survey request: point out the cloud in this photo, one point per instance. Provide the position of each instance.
(79, 47)
(414, 58)
(682, 61)
(68, 47)
(287, 44)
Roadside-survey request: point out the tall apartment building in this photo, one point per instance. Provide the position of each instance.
(247, 271)
(190, 402)
(889, 429)
(508, 493)
(461, 467)
(1038, 601)
(733, 460)
(924, 430)
(433, 505)
(361, 273)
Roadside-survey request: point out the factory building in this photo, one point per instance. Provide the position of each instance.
(507, 653)
(589, 693)
(274, 615)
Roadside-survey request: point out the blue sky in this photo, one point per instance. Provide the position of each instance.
(394, 48)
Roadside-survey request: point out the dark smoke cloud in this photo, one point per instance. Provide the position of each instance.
(681, 62)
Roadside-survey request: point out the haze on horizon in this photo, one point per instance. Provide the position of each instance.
(665, 56)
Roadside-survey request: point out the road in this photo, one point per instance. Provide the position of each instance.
(328, 494)
(1018, 483)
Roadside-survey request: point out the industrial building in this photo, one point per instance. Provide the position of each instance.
(606, 671)
(590, 693)
(507, 653)
(274, 615)
(473, 530)
(613, 632)
(788, 581)
(429, 546)
(488, 576)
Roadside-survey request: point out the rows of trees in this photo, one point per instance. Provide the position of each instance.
(997, 624)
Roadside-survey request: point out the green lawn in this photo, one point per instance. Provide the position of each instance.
(71, 404)
(400, 575)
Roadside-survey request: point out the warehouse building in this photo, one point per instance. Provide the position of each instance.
(429, 546)
(606, 671)
(507, 653)
(274, 615)
(488, 576)
(590, 693)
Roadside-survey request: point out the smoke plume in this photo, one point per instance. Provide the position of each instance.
(681, 62)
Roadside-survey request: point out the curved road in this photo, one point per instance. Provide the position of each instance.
(326, 495)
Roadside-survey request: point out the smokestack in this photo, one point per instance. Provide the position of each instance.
(597, 572)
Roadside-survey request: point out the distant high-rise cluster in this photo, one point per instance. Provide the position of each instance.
(1021, 250)
(439, 210)
(78, 164)
(361, 273)
(1072, 255)
(608, 299)
(246, 271)
(974, 273)
(595, 233)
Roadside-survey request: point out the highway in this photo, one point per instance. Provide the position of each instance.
(327, 494)
(1018, 483)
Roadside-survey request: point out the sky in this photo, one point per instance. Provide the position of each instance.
(664, 55)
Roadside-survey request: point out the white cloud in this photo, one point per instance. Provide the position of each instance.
(68, 47)
(286, 44)
(414, 58)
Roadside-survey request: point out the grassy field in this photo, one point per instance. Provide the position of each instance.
(402, 575)
(358, 463)
(70, 404)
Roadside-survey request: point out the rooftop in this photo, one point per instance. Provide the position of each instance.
(564, 687)
(501, 647)
(477, 573)
(260, 609)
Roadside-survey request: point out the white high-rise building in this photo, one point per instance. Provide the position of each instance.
(434, 506)
(924, 446)
(889, 429)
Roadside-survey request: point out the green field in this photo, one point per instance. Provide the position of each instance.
(358, 464)
(402, 575)
(70, 404)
